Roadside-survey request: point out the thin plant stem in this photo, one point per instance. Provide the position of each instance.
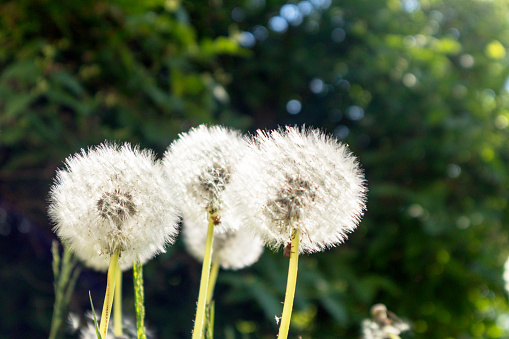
(209, 328)
(96, 327)
(290, 285)
(110, 292)
(65, 275)
(117, 313)
(204, 282)
(139, 296)
(214, 271)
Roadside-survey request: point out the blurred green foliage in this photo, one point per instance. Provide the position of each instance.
(76, 74)
(416, 88)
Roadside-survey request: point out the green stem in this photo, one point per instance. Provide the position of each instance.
(56, 321)
(65, 275)
(117, 314)
(214, 271)
(205, 275)
(290, 286)
(209, 327)
(110, 292)
(139, 297)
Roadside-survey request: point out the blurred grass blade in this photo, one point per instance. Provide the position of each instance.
(65, 276)
(96, 326)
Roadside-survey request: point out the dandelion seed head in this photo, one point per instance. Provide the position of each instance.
(383, 324)
(201, 162)
(232, 249)
(297, 178)
(113, 197)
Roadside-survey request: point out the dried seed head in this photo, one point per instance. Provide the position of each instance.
(113, 197)
(200, 163)
(297, 179)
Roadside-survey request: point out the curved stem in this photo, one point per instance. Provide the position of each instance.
(117, 315)
(290, 286)
(205, 275)
(110, 291)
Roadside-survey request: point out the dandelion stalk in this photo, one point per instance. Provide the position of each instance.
(139, 297)
(290, 286)
(214, 271)
(209, 328)
(110, 292)
(117, 313)
(205, 277)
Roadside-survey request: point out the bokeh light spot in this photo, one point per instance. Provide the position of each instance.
(463, 222)
(409, 80)
(260, 33)
(278, 24)
(316, 85)
(293, 106)
(247, 39)
(355, 113)
(410, 5)
(495, 50)
(305, 7)
(416, 211)
(291, 14)
(501, 121)
(341, 132)
(453, 171)
(335, 115)
(238, 14)
(338, 34)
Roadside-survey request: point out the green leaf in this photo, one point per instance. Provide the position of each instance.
(19, 103)
(68, 81)
(95, 319)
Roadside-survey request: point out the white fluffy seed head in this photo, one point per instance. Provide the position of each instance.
(201, 162)
(113, 197)
(297, 178)
(231, 249)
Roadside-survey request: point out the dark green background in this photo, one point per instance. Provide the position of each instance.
(417, 89)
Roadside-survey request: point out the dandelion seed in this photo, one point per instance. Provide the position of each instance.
(73, 320)
(113, 197)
